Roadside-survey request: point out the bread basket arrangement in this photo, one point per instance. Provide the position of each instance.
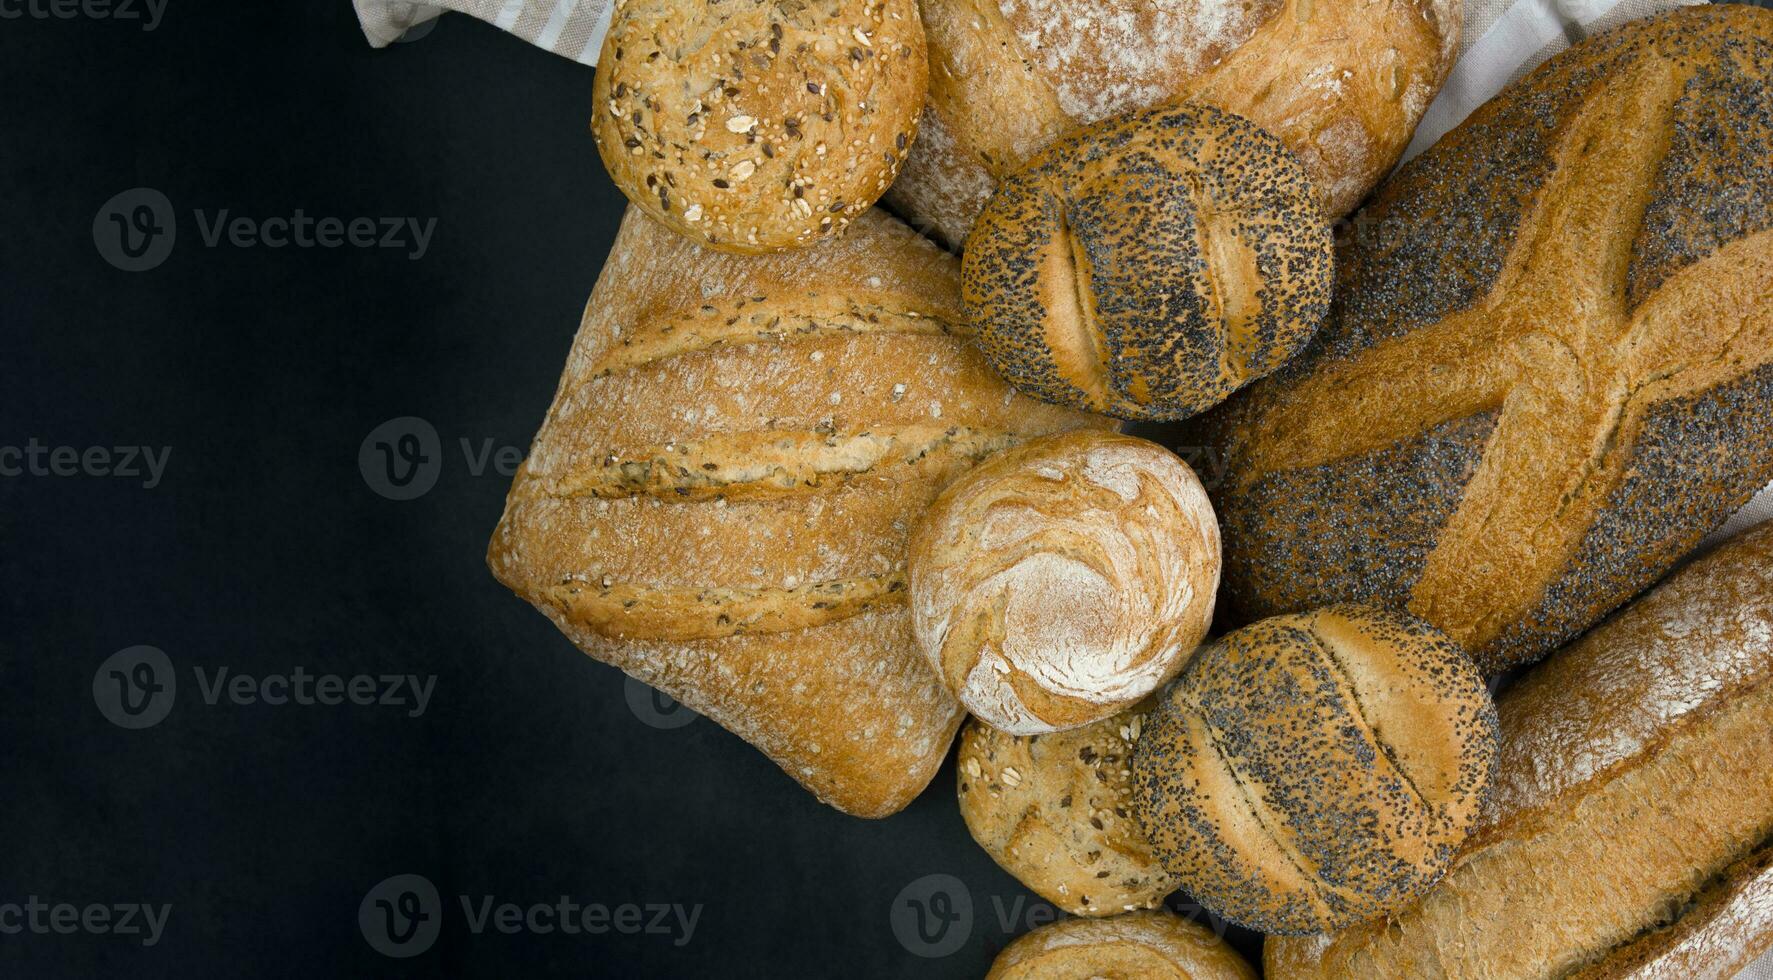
(849, 493)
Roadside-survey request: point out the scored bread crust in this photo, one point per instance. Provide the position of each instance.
(1342, 84)
(719, 499)
(1149, 265)
(1065, 579)
(1631, 823)
(1547, 368)
(1154, 945)
(1313, 771)
(758, 125)
(1053, 810)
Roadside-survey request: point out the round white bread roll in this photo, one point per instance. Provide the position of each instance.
(1063, 580)
(1142, 945)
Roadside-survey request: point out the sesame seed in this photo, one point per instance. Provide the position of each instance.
(740, 124)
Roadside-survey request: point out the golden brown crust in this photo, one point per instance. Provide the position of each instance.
(1342, 84)
(719, 500)
(1053, 811)
(1314, 771)
(758, 125)
(1063, 580)
(1632, 814)
(1545, 374)
(1149, 265)
(1139, 946)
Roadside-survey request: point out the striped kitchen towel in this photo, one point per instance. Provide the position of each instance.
(571, 28)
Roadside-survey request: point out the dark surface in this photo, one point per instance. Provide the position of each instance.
(264, 548)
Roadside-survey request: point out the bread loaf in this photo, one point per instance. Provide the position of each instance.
(1342, 84)
(1149, 265)
(758, 125)
(719, 499)
(1549, 365)
(1314, 771)
(1065, 579)
(1141, 946)
(1631, 825)
(1054, 810)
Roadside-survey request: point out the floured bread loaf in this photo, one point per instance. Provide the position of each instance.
(719, 499)
(758, 125)
(1054, 810)
(1313, 771)
(1063, 580)
(1548, 368)
(1630, 830)
(1140, 946)
(1342, 84)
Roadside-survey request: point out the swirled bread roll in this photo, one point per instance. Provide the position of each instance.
(1140, 946)
(1313, 771)
(758, 125)
(1054, 810)
(1065, 579)
(1148, 266)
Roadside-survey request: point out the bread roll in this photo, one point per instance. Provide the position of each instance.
(1149, 265)
(1141, 946)
(1053, 810)
(1548, 369)
(1342, 84)
(1314, 771)
(719, 499)
(1630, 829)
(758, 125)
(1065, 579)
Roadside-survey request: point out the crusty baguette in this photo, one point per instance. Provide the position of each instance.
(1342, 84)
(719, 499)
(1548, 367)
(1631, 820)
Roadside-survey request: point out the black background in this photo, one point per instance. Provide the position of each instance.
(264, 548)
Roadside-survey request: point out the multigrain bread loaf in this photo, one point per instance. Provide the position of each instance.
(719, 499)
(1063, 580)
(1313, 771)
(1053, 810)
(1630, 829)
(1149, 265)
(758, 125)
(1140, 946)
(1548, 369)
(1342, 84)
